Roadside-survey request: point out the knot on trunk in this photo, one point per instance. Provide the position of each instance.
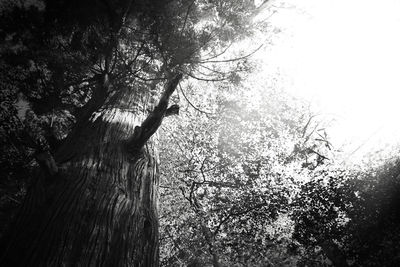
(172, 110)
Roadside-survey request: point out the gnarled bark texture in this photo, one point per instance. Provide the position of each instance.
(100, 209)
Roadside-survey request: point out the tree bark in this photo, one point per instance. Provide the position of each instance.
(100, 208)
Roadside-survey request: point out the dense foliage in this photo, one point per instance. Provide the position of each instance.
(235, 173)
(256, 182)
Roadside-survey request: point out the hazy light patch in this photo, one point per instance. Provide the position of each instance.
(344, 57)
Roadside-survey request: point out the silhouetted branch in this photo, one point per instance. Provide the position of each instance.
(186, 17)
(206, 79)
(153, 121)
(239, 213)
(232, 59)
(193, 106)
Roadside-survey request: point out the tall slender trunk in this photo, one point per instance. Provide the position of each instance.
(100, 209)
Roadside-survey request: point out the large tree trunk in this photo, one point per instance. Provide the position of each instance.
(100, 209)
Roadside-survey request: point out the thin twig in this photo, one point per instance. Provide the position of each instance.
(193, 106)
(232, 59)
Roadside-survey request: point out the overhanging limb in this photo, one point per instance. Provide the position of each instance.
(153, 121)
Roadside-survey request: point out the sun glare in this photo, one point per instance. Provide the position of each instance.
(343, 56)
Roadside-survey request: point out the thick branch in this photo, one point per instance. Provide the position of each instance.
(172, 110)
(153, 121)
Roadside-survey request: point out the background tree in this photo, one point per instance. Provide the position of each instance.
(349, 216)
(257, 182)
(235, 171)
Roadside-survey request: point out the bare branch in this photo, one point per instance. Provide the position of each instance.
(221, 53)
(306, 126)
(232, 59)
(186, 17)
(190, 103)
(215, 71)
(206, 79)
(239, 213)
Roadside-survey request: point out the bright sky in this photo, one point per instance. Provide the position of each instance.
(344, 57)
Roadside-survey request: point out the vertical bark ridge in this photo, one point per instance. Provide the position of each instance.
(68, 241)
(101, 210)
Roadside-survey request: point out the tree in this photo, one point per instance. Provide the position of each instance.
(235, 172)
(102, 63)
(349, 216)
